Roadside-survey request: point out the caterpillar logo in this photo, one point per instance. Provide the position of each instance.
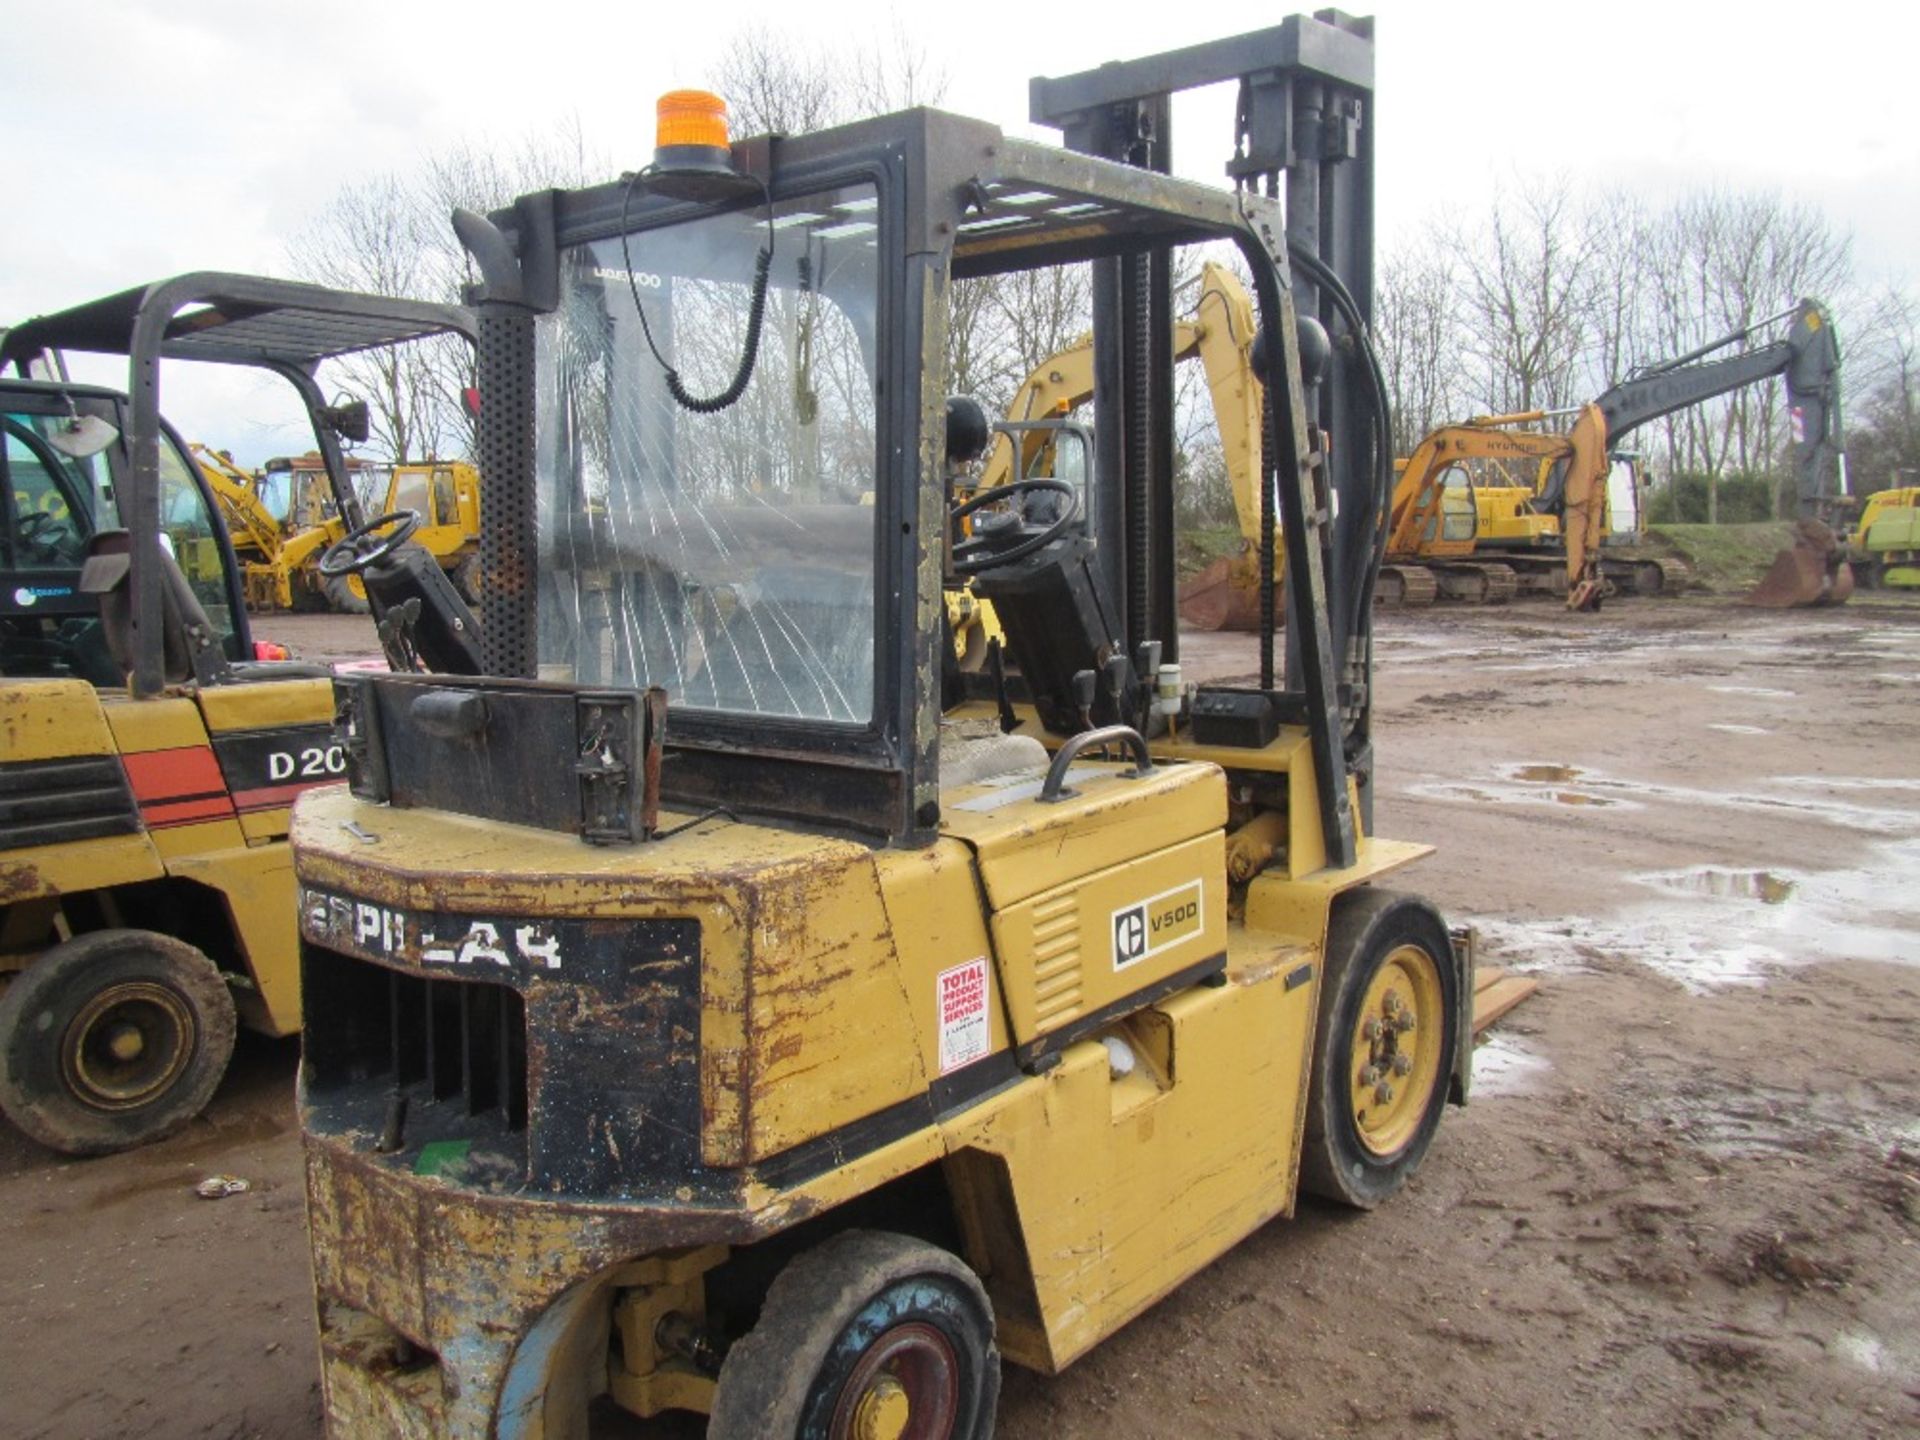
(1157, 923)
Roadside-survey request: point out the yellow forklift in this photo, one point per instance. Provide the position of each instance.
(149, 754)
(724, 1002)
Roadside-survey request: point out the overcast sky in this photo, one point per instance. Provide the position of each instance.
(156, 136)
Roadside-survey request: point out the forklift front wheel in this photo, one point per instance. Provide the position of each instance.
(868, 1334)
(1384, 1046)
(111, 1040)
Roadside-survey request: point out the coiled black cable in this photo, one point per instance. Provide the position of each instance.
(756, 313)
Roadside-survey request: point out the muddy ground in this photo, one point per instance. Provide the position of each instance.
(1683, 1202)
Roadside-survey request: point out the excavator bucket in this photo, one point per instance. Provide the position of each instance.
(1811, 571)
(1225, 595)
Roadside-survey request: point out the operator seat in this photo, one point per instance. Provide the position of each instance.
(973, 752)
(188, 648)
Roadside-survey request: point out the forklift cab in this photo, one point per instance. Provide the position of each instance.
(141, 478)
(728, 554)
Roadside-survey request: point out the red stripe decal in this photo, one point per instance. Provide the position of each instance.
(186, 812)
(272, 797)
(169, 774)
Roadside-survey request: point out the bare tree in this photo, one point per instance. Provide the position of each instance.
(1527, 285)
(1883, 434)
(371, 239)
(774, 84)
(1721, 263)
(391, 235)
(1417, 334)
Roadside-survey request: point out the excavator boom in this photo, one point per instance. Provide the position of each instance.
(1814, 570)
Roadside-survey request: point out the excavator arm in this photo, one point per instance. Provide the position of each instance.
(1808, 359)
(1220, 333)
(249, 522)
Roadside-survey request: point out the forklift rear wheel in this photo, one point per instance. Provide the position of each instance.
(868, 1336)
(1384, 1047)
(111, 1040)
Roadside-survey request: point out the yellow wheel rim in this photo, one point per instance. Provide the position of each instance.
(1396, 1050)
(128, 1045)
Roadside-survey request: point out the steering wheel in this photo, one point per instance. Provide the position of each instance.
(44, 531)
(979, 553)
(357, 549)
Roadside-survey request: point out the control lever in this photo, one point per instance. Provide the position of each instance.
(1084, 682)
(1146, 665)
(997, 667)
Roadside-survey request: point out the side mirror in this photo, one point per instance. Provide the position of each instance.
(82, 436)
(348, 420)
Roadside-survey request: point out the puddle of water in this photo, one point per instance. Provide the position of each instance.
(1760, 690)
(1627, 792)
(1899, 678)
(1762, 885)
(1544, 774)
(1503, 1066)
(1718, 928)
(1740, 729)
(1847, 782)
(1669, 943)
(1512, 795)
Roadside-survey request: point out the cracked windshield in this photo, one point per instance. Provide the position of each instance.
(727, 556)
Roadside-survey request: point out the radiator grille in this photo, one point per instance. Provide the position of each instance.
(1056, 956)
(455, 1046)
(48, 802)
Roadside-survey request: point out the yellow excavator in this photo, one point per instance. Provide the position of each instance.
(256, 532)
(708, 1011)
(1885, 546)
(1451, 536)
(279, 555)
(1467, 528)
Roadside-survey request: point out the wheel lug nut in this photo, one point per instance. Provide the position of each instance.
(1403, 1064)
(1403, 1024)
(1373, 1029)
(1382, 1093)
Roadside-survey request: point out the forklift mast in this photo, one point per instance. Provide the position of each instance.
(1305, 87)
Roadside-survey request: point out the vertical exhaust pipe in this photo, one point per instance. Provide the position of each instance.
(509, 636)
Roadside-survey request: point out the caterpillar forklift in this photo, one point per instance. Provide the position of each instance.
(150, 753)
(726, 1004)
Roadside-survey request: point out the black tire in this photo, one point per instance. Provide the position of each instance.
(68, 1020)
(1339, 1160)
(466, 578)
(341, 598)
(831, 1320)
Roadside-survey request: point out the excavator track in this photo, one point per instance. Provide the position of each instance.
(1404, 587)
(1478, 582)
(1647, 575)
